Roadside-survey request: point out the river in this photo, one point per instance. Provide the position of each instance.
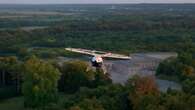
(121, 70)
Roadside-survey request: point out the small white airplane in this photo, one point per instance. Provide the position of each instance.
(97, 59)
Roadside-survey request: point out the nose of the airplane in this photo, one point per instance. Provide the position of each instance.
(97, 61)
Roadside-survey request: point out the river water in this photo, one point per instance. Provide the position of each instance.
(121, 70)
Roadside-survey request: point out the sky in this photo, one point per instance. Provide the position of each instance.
(90, 1)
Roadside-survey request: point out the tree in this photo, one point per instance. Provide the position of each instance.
(185, 58)
(177, 101)
(143, 85)
(108, 97)
(6, 65)
(188, 85)
(10, 77)
(148, 102)
(74, 75)
(88, 104)
(101, 78)
(40, 83)
(144, 94)
(179, 68)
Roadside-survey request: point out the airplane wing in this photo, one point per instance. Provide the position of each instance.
(99, 53)
(116, 56)
(82, 51)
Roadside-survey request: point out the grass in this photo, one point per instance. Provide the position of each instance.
(17, 103)
(12, 104)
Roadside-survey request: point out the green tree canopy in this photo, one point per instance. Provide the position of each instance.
(40, 83)
(74, 75)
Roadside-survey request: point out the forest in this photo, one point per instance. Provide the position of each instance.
(139, 28)
(31, 36)
(71, 86)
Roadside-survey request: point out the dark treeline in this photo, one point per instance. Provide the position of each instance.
(70, 76)
(75, 86)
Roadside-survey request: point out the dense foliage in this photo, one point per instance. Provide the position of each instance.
(182, 68)
(121, 28)
(40, 83)
(10, 75)
(139, 93)
(103, 28)
(76, 74)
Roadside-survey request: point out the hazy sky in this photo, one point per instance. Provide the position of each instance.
(92, 1)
